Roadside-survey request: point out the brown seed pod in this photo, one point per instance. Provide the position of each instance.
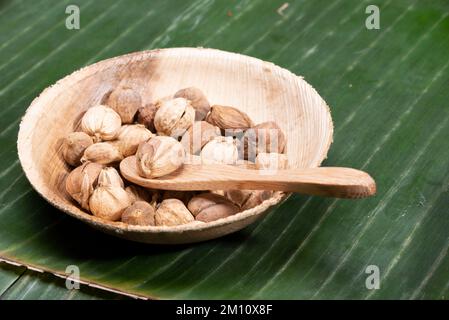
(228, 118)
(184, 196)
(174, 117)
(198, 135)
(129, 138)
(159, 156)
(247, 199)
(208, 207)
(220, 150)
(110, 177)
(108, 202)
(140, 213)
(146, 114)
(198, 100)
(101, 123)
(172, 212)
(73, 147)
(81, 182)
(266, 137)
(125, 101)
(102, 152)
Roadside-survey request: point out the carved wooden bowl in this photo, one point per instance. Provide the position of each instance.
(263, 90)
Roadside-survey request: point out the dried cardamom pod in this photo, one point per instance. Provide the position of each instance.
(129, 138)
(174, 117)
(159, 156)
(172, 212)
(140, 213)
(247, 199)
(220, 150)
(73, 147)
(208, 207)
(145, 115)
(101, 123)
(81, 182)
(197, 99)
(266, 137)
(110, 177)
(108, 202)
(200, 133)
(125, 101)
(228, 118)
(184, 196)
(102, 152)
(137, 193)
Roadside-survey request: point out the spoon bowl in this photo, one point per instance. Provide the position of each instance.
(263, 90)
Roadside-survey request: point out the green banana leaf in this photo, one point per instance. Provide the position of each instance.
(19, 283)
(388, 93)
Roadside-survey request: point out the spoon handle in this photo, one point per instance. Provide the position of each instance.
(323, 181)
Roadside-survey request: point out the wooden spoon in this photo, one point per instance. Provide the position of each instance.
(323, 181)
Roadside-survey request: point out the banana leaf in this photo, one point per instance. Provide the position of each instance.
(388, 93)
(19, 283)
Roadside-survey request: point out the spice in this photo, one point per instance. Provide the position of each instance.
(172, 212)
(220, 150)
(228, 118)
(81, 182)
(73, 147)
(145, 116)
(102, 152)
(200, 133)
(174, 117)
(208, 207)
(140, 213)
(125, 101)
(197, 99)
(129, 138)
(101, 123)
(159, 156)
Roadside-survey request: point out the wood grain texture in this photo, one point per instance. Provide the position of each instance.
(261, 89)
(327, 181)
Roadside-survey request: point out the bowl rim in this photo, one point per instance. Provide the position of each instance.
(32, 173)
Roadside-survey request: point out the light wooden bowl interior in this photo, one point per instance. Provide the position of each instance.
(261, 89)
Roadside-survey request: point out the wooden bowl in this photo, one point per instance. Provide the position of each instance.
(261, 89)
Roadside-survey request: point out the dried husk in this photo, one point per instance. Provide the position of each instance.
(247, 199)
(125, 101)
(129, 138)
(159, 156)
(108, 202)
(220, 150)
(174, 117)
(209, 206)
(172, 212)
(101, 123)
(102, 152)
(146, 114)
(110, 177)
(200, 133)
(137, 193)
(81, 182)
(226, 117)
(184, 196)
(197, 99)
(266, 137)
(73, 147)
(140, 213)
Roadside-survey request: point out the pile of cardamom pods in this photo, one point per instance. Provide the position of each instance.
(163, 135)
